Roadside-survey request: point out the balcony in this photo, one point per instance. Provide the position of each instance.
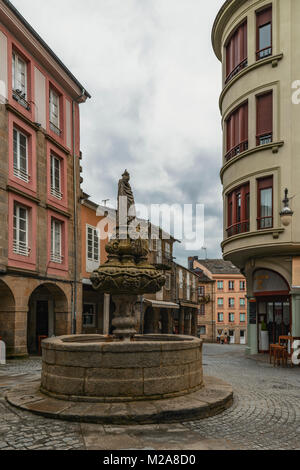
(163, 262)
(204, 299)
(56, 258)
(242, 65)
(242, 147)
(240, 227)
(21, 249)
(263, 53)
(264, 139)
(56, 193)
(20, 97)
(55, 129)
(264, 222)
(21, 174)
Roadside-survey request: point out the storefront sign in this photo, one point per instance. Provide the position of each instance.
(269, 281)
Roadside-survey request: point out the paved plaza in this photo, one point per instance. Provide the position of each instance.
(265, 413)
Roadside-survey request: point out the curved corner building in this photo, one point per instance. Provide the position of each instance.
(257, 42)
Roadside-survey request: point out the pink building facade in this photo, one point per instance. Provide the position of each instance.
(40, 262)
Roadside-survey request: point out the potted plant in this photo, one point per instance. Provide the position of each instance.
(264, 337)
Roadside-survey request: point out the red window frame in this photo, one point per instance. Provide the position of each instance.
(237, 51)
(264, 118)
(263, 18)
(238, 215)
(237, 132)
(264, 183)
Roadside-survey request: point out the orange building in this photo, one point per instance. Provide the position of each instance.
(224, 301)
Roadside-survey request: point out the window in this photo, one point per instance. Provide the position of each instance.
(238, 203)
(54, 112)
(20, 235)
(237, 132)
(202, 309)
(167, 250)
(265, 203)
(201, 330)
(168, 282)
(231, 302)
(89, 315)
(19, 80)
(92, 246)
(220, 302)
(55, 169)
(56, 241)
(20, 145)
(231, 318)
(264, 119)
(242, 285)
(236, 52)
(180, 279)
(264, 33)
(220, 285)
(188, 287)
(242, 317)
(220, 317)
(231, 285)
(201, 291)
(242, 303)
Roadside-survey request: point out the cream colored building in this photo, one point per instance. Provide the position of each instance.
(257, 43)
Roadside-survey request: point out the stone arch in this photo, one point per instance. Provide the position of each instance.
(48, 314)
(7, 316)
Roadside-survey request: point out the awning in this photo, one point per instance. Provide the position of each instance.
(189, 305)
(161, 304)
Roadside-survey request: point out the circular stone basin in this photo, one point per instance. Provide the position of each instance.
(95, 368)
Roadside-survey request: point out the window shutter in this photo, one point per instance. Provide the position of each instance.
(264, 17)
(265, 114)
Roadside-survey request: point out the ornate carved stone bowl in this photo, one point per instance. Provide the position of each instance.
(128, 280)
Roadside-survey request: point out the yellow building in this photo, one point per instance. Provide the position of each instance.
(257, 43)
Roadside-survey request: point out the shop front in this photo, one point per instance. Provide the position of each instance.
(273, 307)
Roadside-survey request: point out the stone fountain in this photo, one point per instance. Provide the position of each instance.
(126, 378)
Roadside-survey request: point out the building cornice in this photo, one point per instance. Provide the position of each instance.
(24, 32)
(274, 59)
(224, 15)
(270, 231)
(274, 146)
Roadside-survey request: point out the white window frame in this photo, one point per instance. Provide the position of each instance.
(16, 82)
(54, 117)
(231, 315)
(20, 247)
(93, 262)
(168, 282)
(18, 172)
(188, 286)
(55, 191)
(244, 316)
(180, 278)
(56, 256)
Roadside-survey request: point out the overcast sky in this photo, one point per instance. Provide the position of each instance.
(155, 83)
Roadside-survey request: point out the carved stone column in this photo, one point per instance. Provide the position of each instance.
(124, 318)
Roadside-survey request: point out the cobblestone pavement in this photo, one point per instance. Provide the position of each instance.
(265, 414)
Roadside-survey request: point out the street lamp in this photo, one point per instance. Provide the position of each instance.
(286, 213)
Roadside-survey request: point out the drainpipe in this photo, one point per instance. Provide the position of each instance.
(80, 99)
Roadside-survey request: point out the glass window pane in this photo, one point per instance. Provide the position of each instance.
(265, 36)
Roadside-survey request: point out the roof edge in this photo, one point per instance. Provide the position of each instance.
(229, 6)
(45, 46)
